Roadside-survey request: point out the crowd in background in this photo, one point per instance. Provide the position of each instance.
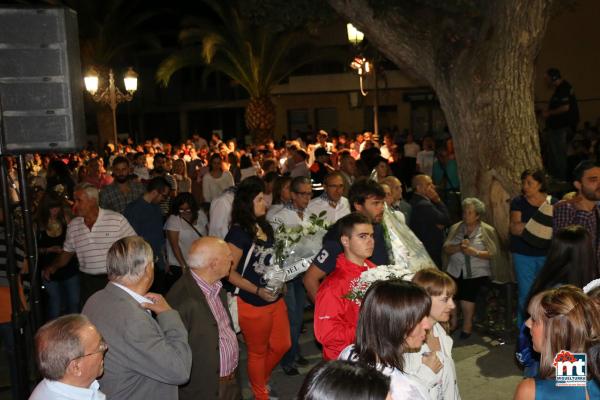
(201, 212)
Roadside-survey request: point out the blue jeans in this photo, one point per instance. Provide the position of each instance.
(527, 268)
(63, 297)
(295, 299)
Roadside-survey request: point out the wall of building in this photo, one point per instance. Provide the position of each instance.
(571, 45)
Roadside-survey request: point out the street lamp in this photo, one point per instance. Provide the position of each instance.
(111, 95)
(363, 67)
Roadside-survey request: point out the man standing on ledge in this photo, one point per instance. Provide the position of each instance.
(562, 117)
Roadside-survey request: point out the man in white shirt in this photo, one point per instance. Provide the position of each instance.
(388, 144)
(70, 356)
(294, 213)
(322, 137)
(291, 215)
(411, 148)
(426, 156)
(331, 201)
(90, 235)
(300, 168)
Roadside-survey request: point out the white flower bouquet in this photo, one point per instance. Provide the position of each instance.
(359, 286)
(295, 247)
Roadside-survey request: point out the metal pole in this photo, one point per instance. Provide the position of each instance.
(376, 105)
(30, 247)
(113, 103)
(18, 319)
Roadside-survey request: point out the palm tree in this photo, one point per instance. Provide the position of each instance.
(254, 57)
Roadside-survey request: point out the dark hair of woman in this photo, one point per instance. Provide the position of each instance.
(181, 199)
(242, 212)
(570, 260)
(58, 174)
(246, 161)
(233, 158)
(278, 186)
(344, 380)
(538, 175)
(213, 157)
(50, 200)
(389, 312)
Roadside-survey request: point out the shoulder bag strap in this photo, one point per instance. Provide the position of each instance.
(246, 262)
(193, 227)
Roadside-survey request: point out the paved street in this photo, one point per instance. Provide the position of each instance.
(485, 369)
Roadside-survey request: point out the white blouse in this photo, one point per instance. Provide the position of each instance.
(213, 187)
(402, 386)
(187, 235)
(441, 386)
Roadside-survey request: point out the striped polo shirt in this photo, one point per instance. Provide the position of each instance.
(92, 245)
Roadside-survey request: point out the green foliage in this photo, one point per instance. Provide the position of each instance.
(254, 56)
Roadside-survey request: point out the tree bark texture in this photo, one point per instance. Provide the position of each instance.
(481, 67)
(260, 119)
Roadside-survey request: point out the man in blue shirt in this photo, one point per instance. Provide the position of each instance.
(366, 197)
(145, 217)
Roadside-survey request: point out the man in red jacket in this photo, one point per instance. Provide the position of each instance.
(335, 315)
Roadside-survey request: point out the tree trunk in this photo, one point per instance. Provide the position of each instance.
(260, 119)
(481, 65)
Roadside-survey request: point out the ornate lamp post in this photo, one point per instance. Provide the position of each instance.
(111, 95)
(362, 66)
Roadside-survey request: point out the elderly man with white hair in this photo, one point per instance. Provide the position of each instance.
(149, 357)
(199, 298)
(90, 235)
(70, 356)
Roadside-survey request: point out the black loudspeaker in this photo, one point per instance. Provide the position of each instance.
(41, 89)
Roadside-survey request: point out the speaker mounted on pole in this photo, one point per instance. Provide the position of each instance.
(41, 89)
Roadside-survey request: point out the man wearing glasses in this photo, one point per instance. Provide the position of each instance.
(70, 356)
(292, 215)
(331, 201)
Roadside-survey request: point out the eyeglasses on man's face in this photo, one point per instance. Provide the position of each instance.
(102, 348)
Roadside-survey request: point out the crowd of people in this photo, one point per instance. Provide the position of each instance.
(152, 258)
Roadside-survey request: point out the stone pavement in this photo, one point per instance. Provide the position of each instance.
(486, 369)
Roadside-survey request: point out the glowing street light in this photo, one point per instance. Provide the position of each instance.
(111, 95)
(362, 67)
